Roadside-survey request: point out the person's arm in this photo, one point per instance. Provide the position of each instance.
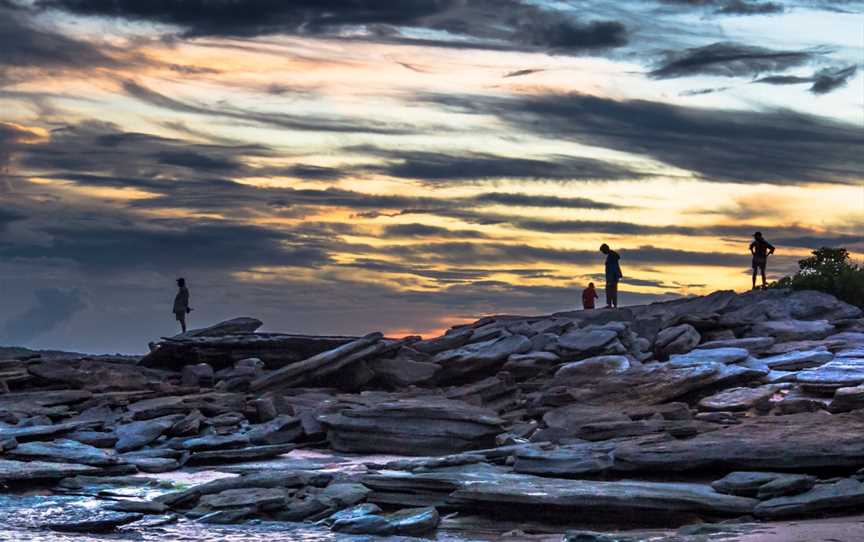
(596, 295)
(753, 248)
(770, 247)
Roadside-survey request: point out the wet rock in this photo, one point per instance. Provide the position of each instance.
(792, 330)
(197, 376)
(227, 517)
(676, 340)
(82, 520)
(426, 426)
(63, 451)
(846, 494)
(412, 521)
(13, 471)
(136, 435)
(740, 399)
(352, 513)
(138, 507)
(763, 485)
(795, 361)
(596, 366)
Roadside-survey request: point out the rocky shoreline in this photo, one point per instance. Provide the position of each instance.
(700, 413)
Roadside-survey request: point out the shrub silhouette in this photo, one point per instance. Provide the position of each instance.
(829, 270)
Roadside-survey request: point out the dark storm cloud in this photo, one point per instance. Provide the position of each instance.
(8, 216)
(433, 167)
(169, 246)
(733, 7)
(267, 118)
(728, 60)
(772, 146)
(23, 45)
(525, 200)
(823, 81)
(53, 307)
(485, 24)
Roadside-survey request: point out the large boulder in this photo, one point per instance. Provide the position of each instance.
(480, 357)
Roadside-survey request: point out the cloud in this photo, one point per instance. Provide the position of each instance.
(53, 307)
(267, 118)
(483, 23)
(434, 167)
(823, 81)
(728, 59)
(733, 7)
(776, 146)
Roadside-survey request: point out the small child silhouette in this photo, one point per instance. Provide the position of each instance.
(589, 294)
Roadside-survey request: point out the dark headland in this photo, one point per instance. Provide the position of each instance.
(708, 415)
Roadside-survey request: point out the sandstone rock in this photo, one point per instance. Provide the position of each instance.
(281, 430)
(82, 520)
(401, 373)
(584, 342)
(792, 330)
(135, 435)
(42, 432)
(532, 363)
(250, 453)
(676, 340)
(833, 375)
(763, 485)
(482, 356)
(63, 451)
(413, 427)
(13, 471)
(412, 521)
(795, 361)
(754, 345)
(846, 399)
(198, 376)
(846, 494)
(594, 367)
(257, 498)
(740, 399)
(714, 355)
(229, 327)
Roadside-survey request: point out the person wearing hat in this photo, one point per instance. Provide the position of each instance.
(760, 249)
(181, 303)
(613, 275)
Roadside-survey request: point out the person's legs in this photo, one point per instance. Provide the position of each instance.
(181, 317)
(754, 274)
(612, 294)
(764, 280)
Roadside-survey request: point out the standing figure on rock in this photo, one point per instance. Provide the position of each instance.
(589, 294)
(181, 303)
(760, 249)
(613, 275)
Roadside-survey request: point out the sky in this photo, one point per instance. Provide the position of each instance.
(347, 166)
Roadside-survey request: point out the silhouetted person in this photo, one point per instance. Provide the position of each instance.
(613, 275)
(589, 294)
(181, 303)
(760, 249)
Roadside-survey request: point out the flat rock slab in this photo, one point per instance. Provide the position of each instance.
(258, 497)
(135, 435)
(43, 432)
(738, 399)
(835, 374)
(251, 453)
(798, 441)
(792, 330)
(412, 521)
(586, 341)
(89, 521)
(754, 345)
(586, 497)
(424, 426)
(763, 485)
(843, 495)
(596, 366)
(795, 361)
(63, 451)
(726, 356)
(13, 471)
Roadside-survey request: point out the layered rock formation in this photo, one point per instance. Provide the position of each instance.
(743, 405)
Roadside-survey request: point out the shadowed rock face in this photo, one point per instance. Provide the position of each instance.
(510, 417)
